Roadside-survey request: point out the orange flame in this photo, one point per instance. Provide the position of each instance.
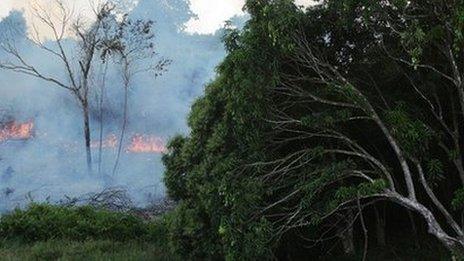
(110, 142)
(146, 144)
(16, 131)
(140, 143)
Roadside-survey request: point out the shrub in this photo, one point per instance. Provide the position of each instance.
(41, 222)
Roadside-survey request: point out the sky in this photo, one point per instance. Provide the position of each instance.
(211, 14)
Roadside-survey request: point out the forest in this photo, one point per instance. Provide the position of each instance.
(332, 132)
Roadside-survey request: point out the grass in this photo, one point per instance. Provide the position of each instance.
(87, 250)
(46, 232)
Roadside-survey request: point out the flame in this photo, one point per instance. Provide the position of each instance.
(16, 131)
(139, 143)
(110, 142)
(146, 144)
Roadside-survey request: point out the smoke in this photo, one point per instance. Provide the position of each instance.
(51, 164)
(78, 9)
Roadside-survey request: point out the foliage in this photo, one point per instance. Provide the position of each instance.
(316, 111)
(88, 250)
(227, 128)
(458, 200)
(46, 222)
(412, 133)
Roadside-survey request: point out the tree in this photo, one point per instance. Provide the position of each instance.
(208, 171)
(362, 104)
(133, 45)
(413, 124)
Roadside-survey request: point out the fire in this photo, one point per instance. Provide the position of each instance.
(110, 142)
(146, 144)
(16, 131)
(139, 143)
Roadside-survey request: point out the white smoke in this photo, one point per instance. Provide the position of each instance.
(78, 9)
(46, 167)
(43, 165)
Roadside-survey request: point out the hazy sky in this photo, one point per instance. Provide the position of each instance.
(211, 13)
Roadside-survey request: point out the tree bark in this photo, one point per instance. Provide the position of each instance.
(348, 241)
(380, 227)
(413, 228)
(454, 245)
(87, 137)
(346, 235)
(100, 144)
(123, 130)
(102, 99)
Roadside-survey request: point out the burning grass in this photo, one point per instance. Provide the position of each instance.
(110, 142)
(16, 131)
(146, 144)
(139, 143)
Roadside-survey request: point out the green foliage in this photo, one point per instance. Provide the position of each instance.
(326, 119)
(345, 194)
(88, 250)
(413, 134)
(458, 200)
(175, 178)
(258, 159)
(321, 177)
(434, 172)
(458, 27)
(205, 171)
(413, 39)
(46, 222)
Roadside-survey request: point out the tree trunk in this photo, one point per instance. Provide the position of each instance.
(415, 234)
(87, 137)
(380, 227)
(454, 245)
(123, 127)
(100, 144)
(102, 99)
(348, 241)
(346, 235)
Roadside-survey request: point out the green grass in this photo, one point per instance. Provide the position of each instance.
(46, 232)
(88, 250)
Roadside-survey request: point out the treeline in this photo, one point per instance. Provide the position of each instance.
(335, 130)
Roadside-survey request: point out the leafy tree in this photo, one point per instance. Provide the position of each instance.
(315, 115)
(207, 172)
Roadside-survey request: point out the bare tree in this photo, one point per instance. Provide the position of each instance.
(101, 101)
(134, 55)
(77, 60)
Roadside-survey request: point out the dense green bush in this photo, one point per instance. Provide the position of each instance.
(42, 222)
